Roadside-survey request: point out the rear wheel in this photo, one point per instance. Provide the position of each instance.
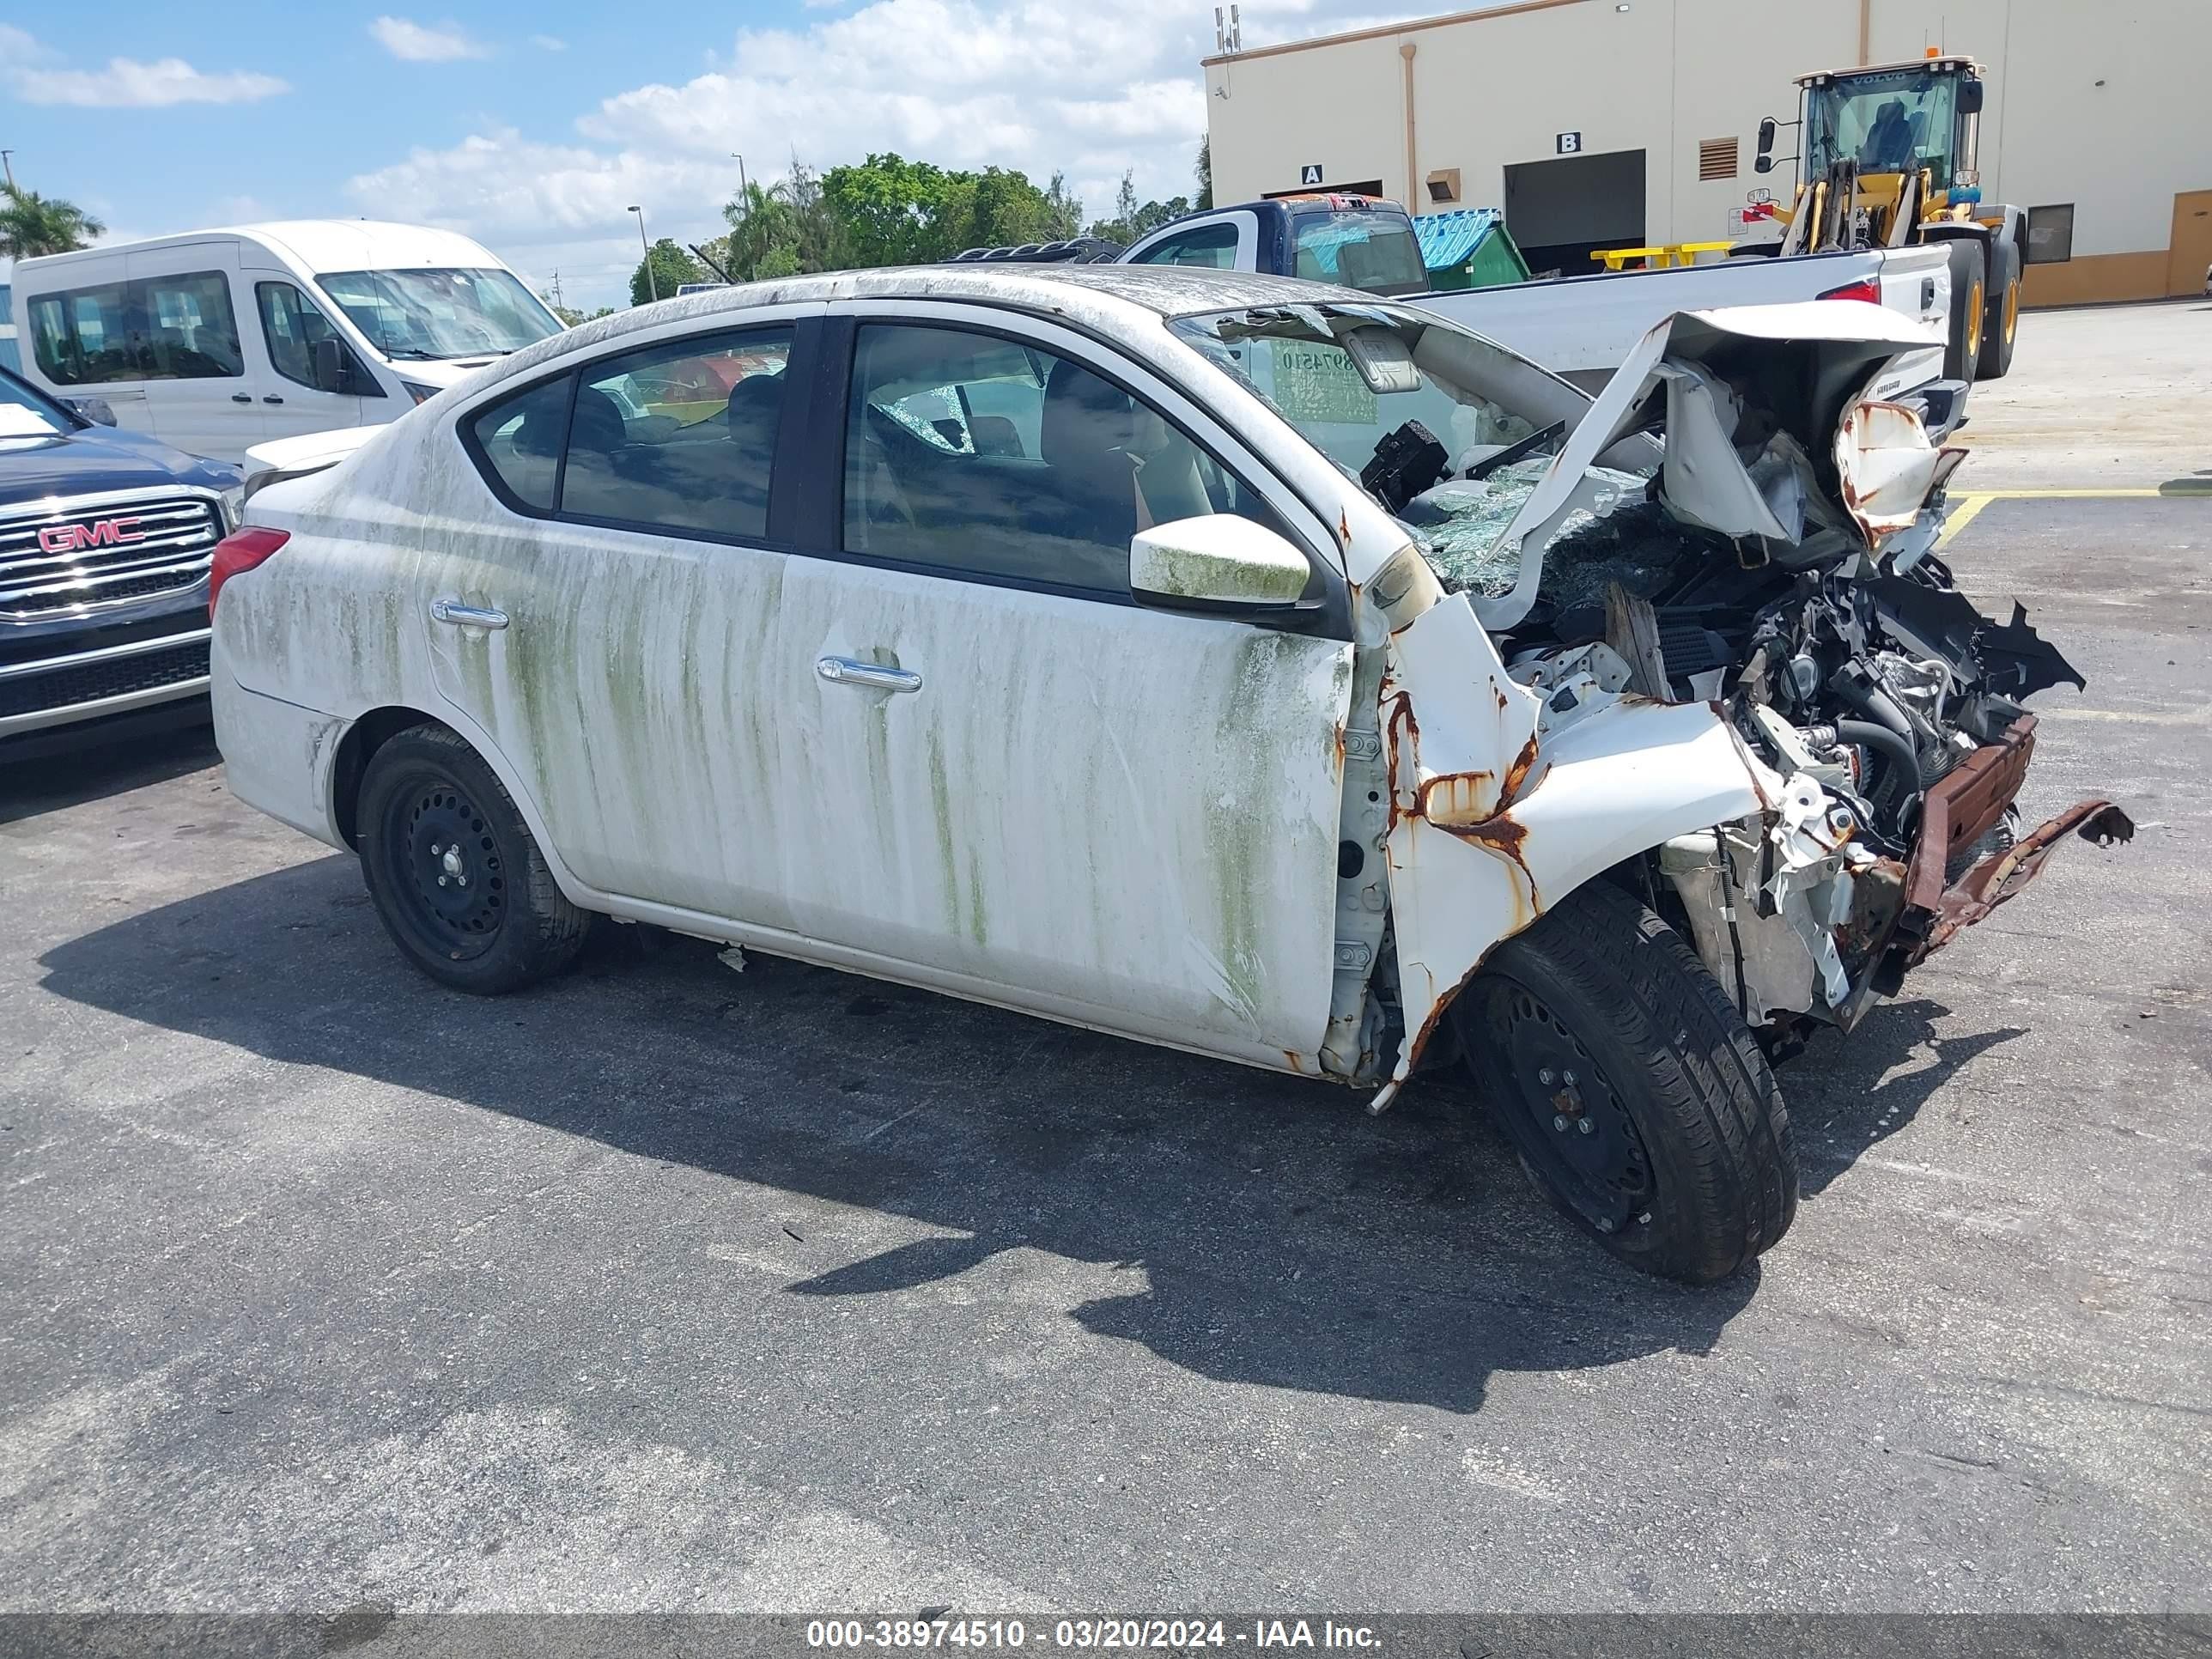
(455, 874)
(2001, 326)
(1969, 308)
(1638, 1100)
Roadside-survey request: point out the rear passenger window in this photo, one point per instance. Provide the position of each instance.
(681, 435)
(520, 438)
(976, 454)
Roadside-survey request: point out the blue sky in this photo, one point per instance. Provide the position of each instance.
(532, 127)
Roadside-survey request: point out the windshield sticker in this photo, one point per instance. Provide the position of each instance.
(1320, 383)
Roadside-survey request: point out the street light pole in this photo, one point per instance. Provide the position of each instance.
(652, 283)
(746, 195)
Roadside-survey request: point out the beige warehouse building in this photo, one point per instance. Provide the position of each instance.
(1624, 122)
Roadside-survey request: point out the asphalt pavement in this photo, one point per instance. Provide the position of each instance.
(670, 1287)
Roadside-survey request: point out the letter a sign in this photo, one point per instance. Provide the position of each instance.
(1309, 173)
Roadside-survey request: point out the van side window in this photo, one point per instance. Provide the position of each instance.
(84, 336)
(293, 327)
(518, 438)
(679, 436)
(154, 328)
(192, 333)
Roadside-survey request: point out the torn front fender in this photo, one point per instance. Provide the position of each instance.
(1502, 804)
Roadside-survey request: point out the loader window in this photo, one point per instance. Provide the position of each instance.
(1896, 121)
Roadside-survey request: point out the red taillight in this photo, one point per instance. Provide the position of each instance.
(241, 549)
(1866, 289)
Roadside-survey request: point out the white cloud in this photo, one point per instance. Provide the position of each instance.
(548, 43)
(33, 74)
(426, 42)
(1035, 84)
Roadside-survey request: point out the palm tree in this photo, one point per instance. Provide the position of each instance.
(32, 224)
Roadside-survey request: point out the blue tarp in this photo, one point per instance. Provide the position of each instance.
(1448, 238)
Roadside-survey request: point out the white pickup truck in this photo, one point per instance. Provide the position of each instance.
(1579, 327)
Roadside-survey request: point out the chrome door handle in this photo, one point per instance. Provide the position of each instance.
(848, 670)
(466, 615)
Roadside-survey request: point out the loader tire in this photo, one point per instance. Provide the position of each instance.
(1601, 1016)
(2002, 325)
(1969, 308)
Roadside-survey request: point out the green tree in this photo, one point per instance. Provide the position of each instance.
(1066, 208)
(1203, 173)
(670, 266)
(1132, 218)
(889, 211)
(32, 224)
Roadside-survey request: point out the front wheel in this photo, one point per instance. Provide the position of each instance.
(455, 874)
(1636, 1095)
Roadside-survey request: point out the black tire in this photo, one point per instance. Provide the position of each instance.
(1968, 306)
(1687, 1170)
(455, 873)
(2001, 327)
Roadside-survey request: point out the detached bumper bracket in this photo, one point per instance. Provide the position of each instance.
(1961, 808)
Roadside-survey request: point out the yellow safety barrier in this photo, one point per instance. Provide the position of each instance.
(1659, 259)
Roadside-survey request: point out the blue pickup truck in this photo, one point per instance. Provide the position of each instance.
(106, 537)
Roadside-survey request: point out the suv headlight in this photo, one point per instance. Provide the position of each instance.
(234, 507)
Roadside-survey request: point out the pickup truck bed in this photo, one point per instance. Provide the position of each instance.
(1581, 327)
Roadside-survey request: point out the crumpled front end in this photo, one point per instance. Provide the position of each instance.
(1756, 695)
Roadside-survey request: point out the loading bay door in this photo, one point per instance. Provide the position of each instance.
(1563, 210)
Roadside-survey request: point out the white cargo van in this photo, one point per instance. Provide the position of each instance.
(216, 340)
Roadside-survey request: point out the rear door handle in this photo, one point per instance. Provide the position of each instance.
(241, 397)
(466, 615)
(850, 671)
(272, 399)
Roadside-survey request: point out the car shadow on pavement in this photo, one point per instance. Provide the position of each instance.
(34, 784)
(1273, 1233)
(1849, 1094)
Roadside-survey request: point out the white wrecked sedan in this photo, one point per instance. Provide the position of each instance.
(1241, 664)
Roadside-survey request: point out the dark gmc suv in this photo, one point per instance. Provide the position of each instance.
(105, 540)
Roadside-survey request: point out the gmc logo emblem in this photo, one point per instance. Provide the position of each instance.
(78, 537)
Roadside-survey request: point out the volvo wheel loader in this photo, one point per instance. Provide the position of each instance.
(1890, 160)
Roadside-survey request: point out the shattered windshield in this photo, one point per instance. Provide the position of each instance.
(1449, 431)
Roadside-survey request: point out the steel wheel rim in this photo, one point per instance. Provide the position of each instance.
(1567, 1117)
(1977, 298)
(446, 869)
(2012, 313)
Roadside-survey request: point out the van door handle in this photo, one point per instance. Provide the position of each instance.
(466, 615)
(873, 676)
(241, 397)
(269, 400)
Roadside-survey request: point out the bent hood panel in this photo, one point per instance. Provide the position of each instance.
(1815, 360)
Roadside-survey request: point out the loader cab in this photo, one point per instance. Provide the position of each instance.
(1896, 118)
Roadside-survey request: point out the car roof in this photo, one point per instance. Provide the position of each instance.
(1105, 298)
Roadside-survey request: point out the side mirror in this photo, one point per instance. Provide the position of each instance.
(1763, 164)
(1216, 563)
(95, 410)
(1766, 141)
(332, 372)
(1970, 97)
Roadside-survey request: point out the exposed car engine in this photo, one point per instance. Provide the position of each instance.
(1863, 683)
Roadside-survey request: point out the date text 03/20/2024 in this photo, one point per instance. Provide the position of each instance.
(1089, 1634)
